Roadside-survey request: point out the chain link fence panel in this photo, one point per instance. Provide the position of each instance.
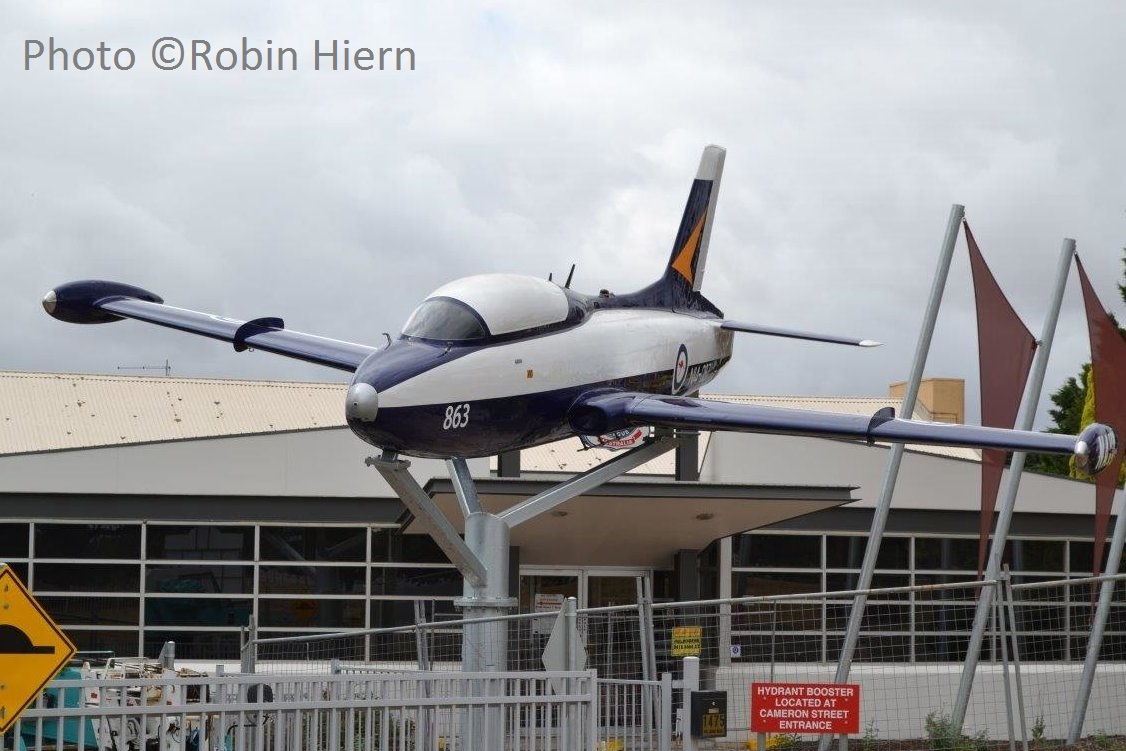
(908, 660)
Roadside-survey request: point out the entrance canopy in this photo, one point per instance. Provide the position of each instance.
(631, 523)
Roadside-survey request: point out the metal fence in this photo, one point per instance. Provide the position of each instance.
(1054, 623)
(908, 660)
(369, 712)
(399, 688)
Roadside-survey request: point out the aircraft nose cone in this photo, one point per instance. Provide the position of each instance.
(362, 403)
(49, 301)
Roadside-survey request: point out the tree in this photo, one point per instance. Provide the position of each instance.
(1070, 399)
(1066, 418)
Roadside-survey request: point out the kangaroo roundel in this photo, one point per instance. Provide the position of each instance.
(680, 370)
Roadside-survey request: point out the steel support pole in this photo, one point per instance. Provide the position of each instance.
(482, 559)
(484, 646)
(588, 480)
(880, 515)
(1095, 642)
(1016, 466)
(394, 472)
(464, 488)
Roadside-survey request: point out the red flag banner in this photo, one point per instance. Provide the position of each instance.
(1005, 349)
(1108, 364)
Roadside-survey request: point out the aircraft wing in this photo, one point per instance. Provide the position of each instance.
(602, 412)
(756, 328)
(95, 301)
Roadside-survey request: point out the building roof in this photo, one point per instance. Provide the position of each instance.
(53, 411)
(56, 411)
(625, 523)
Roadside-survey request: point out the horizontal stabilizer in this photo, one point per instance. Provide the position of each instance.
(754, 328)
(96, 301)
(602, 412)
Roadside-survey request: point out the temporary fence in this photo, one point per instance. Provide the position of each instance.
(907, 661)
(1054, 623)
(400, 688)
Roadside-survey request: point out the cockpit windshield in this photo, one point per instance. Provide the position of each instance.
(445, 319)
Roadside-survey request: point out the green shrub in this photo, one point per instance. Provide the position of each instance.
(942, 735)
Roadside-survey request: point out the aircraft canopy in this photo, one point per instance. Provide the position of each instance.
(486, 305)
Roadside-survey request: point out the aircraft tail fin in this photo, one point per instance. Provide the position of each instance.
(679, 287)
(690, 250)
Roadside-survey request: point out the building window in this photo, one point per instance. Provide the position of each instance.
(304, 580)
(946, 554)
(197, 611)
(313, 544)
(200, 578)
(85, 541)
(777, 551)
(13, 541)
(87, 577)
(921, 625)
(206, 542)
(312, 612)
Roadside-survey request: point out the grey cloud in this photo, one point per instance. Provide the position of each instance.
(533, 136)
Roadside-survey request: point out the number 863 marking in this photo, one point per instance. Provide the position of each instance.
(457, 416)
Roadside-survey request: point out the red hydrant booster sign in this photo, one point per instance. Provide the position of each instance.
(805, 708)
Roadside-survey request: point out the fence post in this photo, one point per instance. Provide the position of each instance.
(571, 631)
(248, 652)
(422, 650)
(691, 684)
(645, 629)
(421, 637)
(666, 724)
(1007, 594)
(1003, 632)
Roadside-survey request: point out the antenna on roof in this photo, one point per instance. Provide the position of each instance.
(166, 367)
(569, 276)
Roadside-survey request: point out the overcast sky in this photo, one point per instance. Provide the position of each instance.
(534, 135)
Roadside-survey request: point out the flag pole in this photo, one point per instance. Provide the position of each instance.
(1118, 540)
(880, 515)
(1004, 517)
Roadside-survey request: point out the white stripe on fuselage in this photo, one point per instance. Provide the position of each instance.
(609, 345)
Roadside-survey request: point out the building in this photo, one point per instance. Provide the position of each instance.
(143, 509)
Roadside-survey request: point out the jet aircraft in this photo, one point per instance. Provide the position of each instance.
(500, 362)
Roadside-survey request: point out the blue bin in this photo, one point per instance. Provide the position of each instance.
(72, 698)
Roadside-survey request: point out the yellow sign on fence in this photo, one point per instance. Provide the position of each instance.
(686, 641)
(32, 648)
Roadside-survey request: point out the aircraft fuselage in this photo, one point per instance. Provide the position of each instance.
(427, 398)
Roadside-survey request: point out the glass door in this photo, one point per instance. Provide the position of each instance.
(611, 638)
(608, 587)
(543, 590)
